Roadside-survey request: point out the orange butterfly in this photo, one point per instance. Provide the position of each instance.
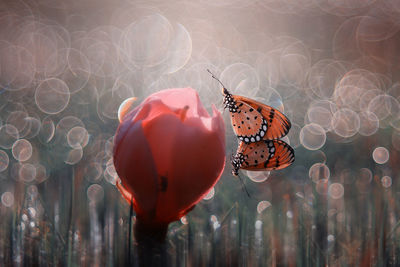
(265, 155)
(258, 126)
(253, 121)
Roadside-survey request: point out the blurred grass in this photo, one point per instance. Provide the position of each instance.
(304, 229)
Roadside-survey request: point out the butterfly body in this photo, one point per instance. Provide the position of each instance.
(229, 101)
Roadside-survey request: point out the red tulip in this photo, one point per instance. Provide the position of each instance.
(168, 154)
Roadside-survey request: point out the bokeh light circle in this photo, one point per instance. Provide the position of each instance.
(110, 174)
(77, 137)
(369, 123)
(321, 116)
(144, 41)
(384, 106)
(367, 97)
(241, 78)
(109, 146)
(263, 205)
(312, 136)
(95, 193)
(210, 194)
(323, 76)
(258, 176)
(64, 126)
(7, 199)
(74, 156)
(125, 107)
(336, 190)
(4, 160)
(41, 173)
(18, 120)
(33, 128)
(184, 220)
(93, 171)
(47, 130)
(363, 182)
(22, 150)
(52, 96)
(27, 172)
(77, 71)
(319, 171)
(364, 176)
(293, 135)
(8, 135)
(386, 181)
(345, 122)
(380, 155)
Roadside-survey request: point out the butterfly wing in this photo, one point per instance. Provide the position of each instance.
(266, 155)
(278, 125)
(247, 123)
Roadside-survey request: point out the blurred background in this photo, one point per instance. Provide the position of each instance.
(331, 66)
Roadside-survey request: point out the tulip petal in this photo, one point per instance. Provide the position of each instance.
(168, 153)
(198, 162)
(147, 112)
(135, 166)
(178, 98)
(189, 159)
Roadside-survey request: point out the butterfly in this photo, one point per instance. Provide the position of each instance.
(265, 155)
(253, 121)
(258, 127)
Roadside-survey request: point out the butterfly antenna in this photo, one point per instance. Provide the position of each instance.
(212, 75)
(244, 186)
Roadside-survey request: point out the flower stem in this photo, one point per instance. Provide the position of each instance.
(151, 244)
(130, 233)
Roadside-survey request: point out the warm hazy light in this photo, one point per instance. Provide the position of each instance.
(72, 71)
